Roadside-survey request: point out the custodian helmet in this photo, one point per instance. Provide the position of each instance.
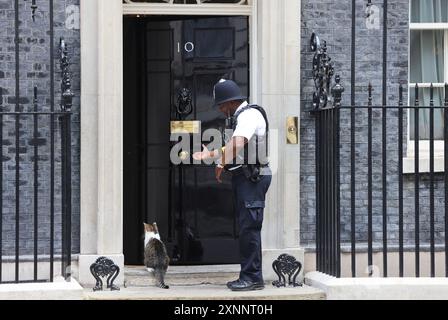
(225, 91)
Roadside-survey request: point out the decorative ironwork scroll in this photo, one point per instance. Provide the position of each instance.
(104, 267)
(323, 71)
(286, 266)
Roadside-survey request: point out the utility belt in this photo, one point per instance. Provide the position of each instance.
(253, 172)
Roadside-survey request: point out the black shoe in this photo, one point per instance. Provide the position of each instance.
(232, 283)
(245, 285)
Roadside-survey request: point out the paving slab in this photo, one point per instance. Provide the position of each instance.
(57, 290)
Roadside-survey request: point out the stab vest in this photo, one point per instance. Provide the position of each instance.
(255, 152)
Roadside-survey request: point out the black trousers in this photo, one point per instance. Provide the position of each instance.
(249, 200)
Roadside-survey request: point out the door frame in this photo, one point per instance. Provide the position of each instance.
(249, 10)
(275, 83)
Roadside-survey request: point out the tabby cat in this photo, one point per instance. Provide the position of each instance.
(156, 257)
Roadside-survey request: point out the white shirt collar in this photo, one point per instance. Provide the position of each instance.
(243, 105)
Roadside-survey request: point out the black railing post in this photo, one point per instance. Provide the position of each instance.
(330, 190)
(321, 191)
(66, 195)
(36, 183)
(1, 185)
(69, 195)
(352, 140)
(318, 185)
(353, 187)
(326, 188)
(338, 191)
(384, 178)
(369, 183)
(63, 194)
(385, 12)
(400, 182)
(445, 138)
(431, 180)
(17, 120)
(417, 182)
(336, 92)
(52, 139)
(66, 105)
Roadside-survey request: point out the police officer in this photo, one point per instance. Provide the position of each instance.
(245, 156)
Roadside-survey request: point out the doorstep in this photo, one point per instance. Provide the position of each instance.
(183, 275)
(197, 283)
(206, 292)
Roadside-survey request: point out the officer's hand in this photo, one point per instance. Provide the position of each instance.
(200, 156)
(218, 173)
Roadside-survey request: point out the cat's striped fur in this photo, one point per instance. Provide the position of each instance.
(156, 257)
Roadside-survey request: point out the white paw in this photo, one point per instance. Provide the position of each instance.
(150, 270)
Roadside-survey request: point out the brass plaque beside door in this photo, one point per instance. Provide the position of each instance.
(292, 130)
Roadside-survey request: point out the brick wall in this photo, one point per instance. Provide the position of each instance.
(35, 71)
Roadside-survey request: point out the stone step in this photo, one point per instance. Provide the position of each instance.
(206, 292)
(182, 276)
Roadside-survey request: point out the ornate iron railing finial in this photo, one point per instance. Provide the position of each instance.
(66, 84)
(323, 71)
(337, 91)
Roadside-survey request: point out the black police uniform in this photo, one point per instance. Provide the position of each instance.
(250, 184)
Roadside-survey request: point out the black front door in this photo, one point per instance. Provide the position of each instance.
(165, 57)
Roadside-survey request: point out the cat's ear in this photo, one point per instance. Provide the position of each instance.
(156, 230)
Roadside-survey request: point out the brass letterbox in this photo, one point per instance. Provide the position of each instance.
(188, 127)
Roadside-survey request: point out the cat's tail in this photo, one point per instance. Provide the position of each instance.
(159, 275)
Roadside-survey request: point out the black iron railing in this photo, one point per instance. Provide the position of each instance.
(368, 201)
(35, 218)
(379, 187)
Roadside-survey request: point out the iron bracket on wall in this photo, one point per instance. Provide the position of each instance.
(286, 266)
(104, 267)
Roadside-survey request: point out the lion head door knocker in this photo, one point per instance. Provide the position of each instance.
(184, 102)
(286, 265)
(104, 267)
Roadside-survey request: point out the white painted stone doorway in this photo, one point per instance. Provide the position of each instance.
(275, 80)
